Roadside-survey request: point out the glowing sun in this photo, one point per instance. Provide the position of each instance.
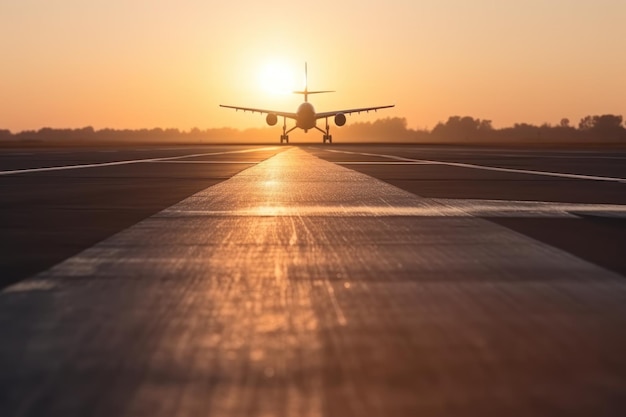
(277, 78)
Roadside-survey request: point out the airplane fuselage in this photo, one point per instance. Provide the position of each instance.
(305, 116)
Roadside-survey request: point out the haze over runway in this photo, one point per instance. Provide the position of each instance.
(311, 280)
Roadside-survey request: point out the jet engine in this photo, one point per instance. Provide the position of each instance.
(271, 119)
(340, 119)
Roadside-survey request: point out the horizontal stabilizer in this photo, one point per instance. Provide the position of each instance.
(313, 92)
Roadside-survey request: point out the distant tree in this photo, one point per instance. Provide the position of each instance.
(485, 126)
(26, 135)
(463, 128)
(85, 133)
(586, 123)
(609, 127)
(525, 131)
(5, 135)
(606, 126)
(47, 133)
(563, 132)
(106, 134)
(607, 121)
(390, 128)
(394, 127)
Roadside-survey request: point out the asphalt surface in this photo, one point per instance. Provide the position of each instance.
(596, 236)
(47, 216)
(315, 281)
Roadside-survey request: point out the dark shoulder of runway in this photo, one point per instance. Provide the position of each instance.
(48, 216)
(595, 236)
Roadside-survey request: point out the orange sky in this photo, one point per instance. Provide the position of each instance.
(146, 63)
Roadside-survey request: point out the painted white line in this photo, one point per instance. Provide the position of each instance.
(30, 286)
(542, 155)
(205, 162)
(500, 208)
(381, 163)
(437, 208)
(526, 155)
(127, 162)
(491, 168)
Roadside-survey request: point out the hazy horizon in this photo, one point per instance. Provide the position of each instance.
(120, 64)
(355, 121)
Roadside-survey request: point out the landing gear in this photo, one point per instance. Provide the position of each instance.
(284, 138)
(327, 136)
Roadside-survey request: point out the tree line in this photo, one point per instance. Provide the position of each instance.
(457, 129)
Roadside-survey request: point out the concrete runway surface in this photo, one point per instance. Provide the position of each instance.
(312, 281)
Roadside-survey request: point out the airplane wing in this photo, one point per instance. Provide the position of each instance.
(263, 111)
(364, 109)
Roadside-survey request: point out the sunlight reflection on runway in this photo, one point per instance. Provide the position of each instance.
(300, 287)
(443, 208)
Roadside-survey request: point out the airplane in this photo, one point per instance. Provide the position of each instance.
(306, 118)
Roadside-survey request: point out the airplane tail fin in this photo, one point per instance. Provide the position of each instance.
(306, 91)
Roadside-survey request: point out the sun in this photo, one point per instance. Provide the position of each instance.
(276, 77)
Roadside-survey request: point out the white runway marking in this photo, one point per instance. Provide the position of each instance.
(126, 162)
(582, 156)
(548, 155)
(383, 163)
(444, 208)
(491, 168)
(205, 162)
(31, 285)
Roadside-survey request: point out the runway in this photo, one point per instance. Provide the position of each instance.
(313, 281)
